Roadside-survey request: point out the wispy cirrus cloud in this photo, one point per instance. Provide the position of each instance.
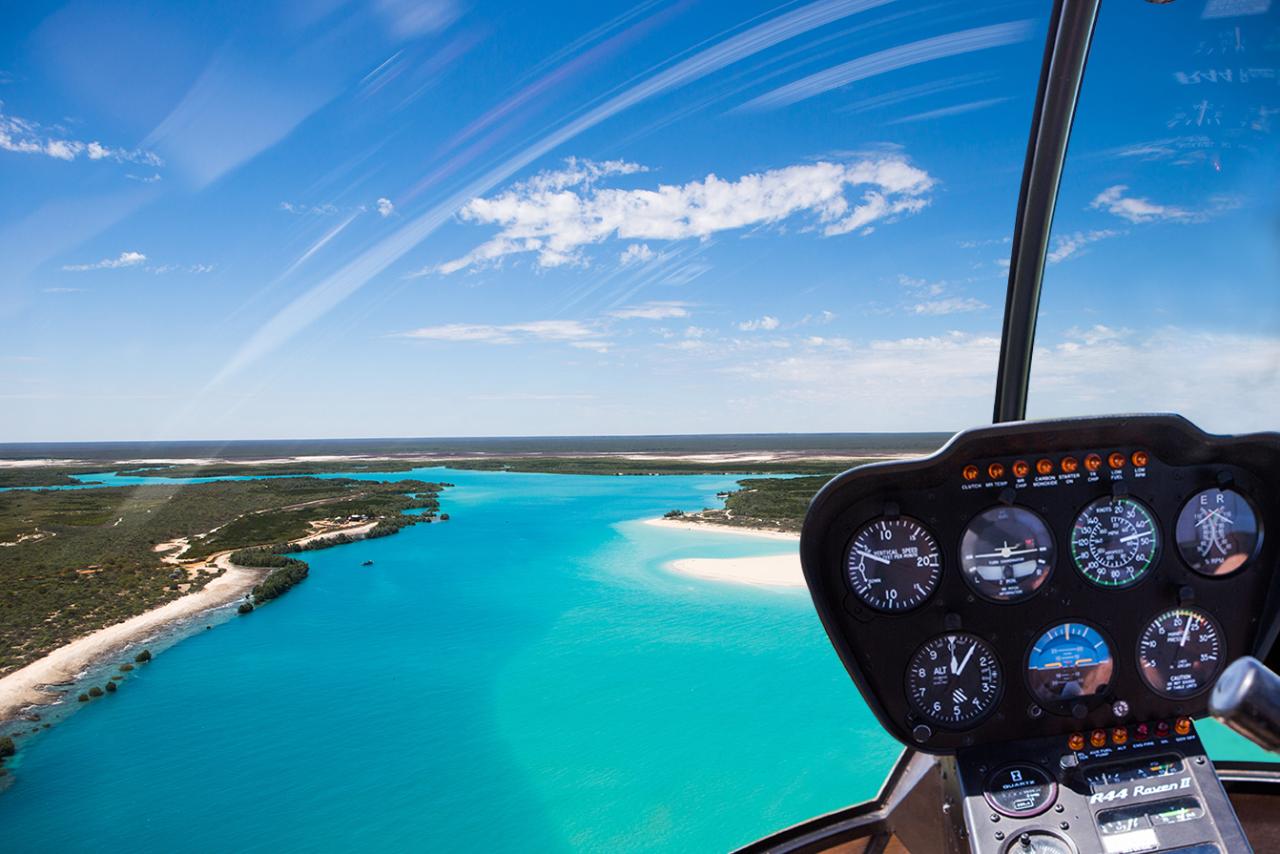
(948, 305)
(729, 50)
(124, 259)
(655, 310)
(574, 333)
(554, 220)
(892, 59)
(1068, 245)
(1139, 209)
(23, 136)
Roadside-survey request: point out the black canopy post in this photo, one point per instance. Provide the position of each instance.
(1066, 50)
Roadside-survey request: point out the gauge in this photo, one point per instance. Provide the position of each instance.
(1069, 661)
(1114, 541)
(1038, 842)
(1180, 653)
(1022, 790)
(1006, 553)
(954, 680)
(894, 564)
(1217, 532)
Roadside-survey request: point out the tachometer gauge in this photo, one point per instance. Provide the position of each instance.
(1217, 532)
(1068, 662)
(1115, 541)
(1180, 653)
(893, 564)
(954, 680)
(1006, 553)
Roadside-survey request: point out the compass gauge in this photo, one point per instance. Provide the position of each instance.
(1217, 532)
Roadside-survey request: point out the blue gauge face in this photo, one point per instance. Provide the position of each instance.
(1070, 661)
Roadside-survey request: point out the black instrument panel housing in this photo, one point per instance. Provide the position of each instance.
(875, 647)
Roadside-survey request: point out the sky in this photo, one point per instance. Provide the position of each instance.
(321, 218)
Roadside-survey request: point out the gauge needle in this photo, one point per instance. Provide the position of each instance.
(1182, 641)
(883, 560)
(1135, 536)
(968, 655)
(1207, 516)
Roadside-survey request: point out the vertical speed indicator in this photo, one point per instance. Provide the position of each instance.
(893, 564)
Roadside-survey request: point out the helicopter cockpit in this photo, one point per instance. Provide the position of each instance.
(1042, 610)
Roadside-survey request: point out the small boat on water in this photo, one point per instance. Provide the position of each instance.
(367, 563)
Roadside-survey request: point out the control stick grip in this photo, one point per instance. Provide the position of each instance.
(1247, 699)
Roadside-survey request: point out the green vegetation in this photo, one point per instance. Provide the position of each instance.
(7, 747)
(245, 608)
(76, 560)
(773, 503)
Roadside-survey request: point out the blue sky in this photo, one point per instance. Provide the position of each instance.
(397, 218)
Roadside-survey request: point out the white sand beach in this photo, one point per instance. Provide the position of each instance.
(766, 571)
(27, 686)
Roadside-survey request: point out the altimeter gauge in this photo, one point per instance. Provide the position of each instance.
(893, 564)
(1115, 541)
(1180, 653)
(1006, 553)
(954, 680)
(1217, 532)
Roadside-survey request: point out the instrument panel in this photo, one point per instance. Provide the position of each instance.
(1045, 578)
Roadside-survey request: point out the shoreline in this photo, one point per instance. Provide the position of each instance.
(687, 524)
(769, 571)
(30, 685)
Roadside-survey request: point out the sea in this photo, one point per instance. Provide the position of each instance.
(527, 676)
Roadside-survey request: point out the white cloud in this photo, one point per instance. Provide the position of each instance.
(1115, 200)
(410, 19)
(636, 253)
(385, 207)
(23, 136)
(921, 286)
(652, 311)
(345, 281)
(949, 305)
(902, 56)
(1068, 245)
(325, 209)
(125, 259)
(763, 324)
(144, 179)
(161, 269)
(548, 217)
(572, 332)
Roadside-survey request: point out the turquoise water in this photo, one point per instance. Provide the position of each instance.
(523, 677)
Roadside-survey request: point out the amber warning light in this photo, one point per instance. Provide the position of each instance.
(970, 472)
(1140, 458)
(1070, 465)
(1044, 466)
(1021, 469)
(1093, 462)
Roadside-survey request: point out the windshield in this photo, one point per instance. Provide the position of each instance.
(1162, 284)
(336, 335)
